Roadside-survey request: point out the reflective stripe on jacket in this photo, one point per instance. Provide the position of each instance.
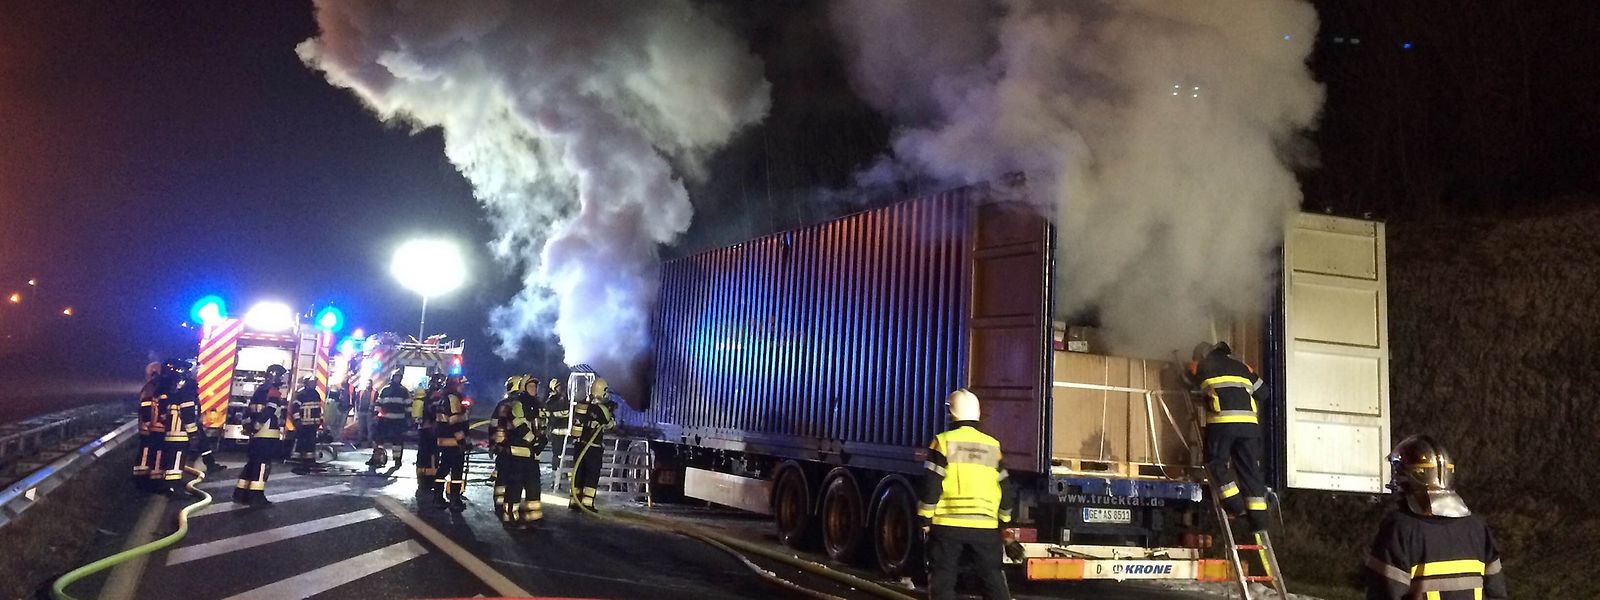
(965, 485)
(1230, 388)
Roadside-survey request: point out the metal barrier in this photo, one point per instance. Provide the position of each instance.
(23, 494)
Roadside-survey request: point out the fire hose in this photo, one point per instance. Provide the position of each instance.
(58, 590)
(734, 547)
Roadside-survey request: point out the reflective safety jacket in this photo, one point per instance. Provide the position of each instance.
(176, 409)
(450, 420)
(147, 408)
(591, 421)
(519, 426)
(965, 486)
(394, 402)
(1433, 558)
(306, 409)
(264, 419)
(1230, 388)
(428, 412)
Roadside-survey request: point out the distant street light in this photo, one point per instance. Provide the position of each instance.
(16, 298)
(67, 311)
(33, 282)
(429, 268)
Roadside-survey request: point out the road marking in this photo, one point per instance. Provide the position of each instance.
(483, 571)
(260, 538)
(284, 497)
(123, 582)
(334, 575)
(234, 481)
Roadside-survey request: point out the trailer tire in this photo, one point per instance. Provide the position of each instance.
(897, 538)
(843, 517)
(791, 508)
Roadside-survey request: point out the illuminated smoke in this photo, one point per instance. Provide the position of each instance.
(1160, 134)
(574, 122)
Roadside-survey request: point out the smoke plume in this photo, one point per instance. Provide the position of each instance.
(1161, 135)
(574, 123)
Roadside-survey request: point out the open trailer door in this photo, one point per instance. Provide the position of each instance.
(1336, 354)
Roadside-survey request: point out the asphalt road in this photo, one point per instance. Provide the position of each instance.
(354, 535)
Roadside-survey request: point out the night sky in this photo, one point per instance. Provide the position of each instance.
(155, 153)
(152, 153)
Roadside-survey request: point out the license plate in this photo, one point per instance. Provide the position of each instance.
(1107, 515)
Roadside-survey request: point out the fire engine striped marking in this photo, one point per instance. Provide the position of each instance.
(334, 575)
(261, 538)
(216, 509)
(482, 570)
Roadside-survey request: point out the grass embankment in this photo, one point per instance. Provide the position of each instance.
(53, 536)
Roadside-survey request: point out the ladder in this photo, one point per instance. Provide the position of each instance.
(1267, 558)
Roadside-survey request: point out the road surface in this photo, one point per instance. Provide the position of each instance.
(350, 535)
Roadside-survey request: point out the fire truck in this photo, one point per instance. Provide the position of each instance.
(366, 365)
(236, 352)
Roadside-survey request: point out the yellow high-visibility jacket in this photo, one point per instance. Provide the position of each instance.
(965, 486)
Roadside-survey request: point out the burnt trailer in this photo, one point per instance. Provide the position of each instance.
(802, 375)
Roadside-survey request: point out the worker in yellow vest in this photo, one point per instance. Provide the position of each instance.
(965, 499)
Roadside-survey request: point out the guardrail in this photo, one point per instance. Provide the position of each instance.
(24, 444)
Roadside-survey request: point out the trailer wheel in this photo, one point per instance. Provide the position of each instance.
(791, 508)
(843, 518)
(897, 539)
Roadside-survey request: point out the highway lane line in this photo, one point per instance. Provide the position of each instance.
(260, 538)
(123, 582)
(327, 577)
(233, 481)
(499, 583)
(224, 507)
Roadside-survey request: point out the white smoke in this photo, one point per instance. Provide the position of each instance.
(1161, 134)
(572, 120)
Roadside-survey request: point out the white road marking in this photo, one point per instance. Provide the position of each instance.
(233, 481)
(222, 507)
(334, 575)
(260, 538)
(123, 582)
(482, 570)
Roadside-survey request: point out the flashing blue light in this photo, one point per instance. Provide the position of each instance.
(348, 346)
(456, 370)
(1406, 45)
(208, 310)
(1287, 37)
(330, 319)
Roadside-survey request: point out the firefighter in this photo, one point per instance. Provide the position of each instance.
(497, 437)
(393, 417)
(264, 424)
(1232, 431)
(306, 409)
(1430, 546)
(450, 433)
(965, 498)
(176, 418)
(427, 445)
(589, 422)
(149, 443)
(520, 436)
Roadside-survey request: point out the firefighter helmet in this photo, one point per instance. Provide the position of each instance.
(515, 383)
(276, 371)
(397, 377)
(455, 381)
(530, 385)
(599, 390)
(308, 381)
(963, 405)
(174, 366)
(435, 380)
(1202, 350)
(1422, 473)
